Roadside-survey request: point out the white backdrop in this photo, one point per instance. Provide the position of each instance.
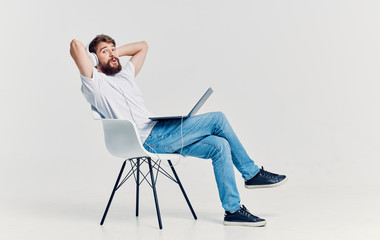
(298, 80)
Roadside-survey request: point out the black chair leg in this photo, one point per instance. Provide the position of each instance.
(154, 192)
(113, 193)
(137, 186)
(182, 189)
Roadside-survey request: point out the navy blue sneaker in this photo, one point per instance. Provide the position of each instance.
(265, 179)
(243, 217)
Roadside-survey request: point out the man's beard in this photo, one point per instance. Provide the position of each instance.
(108, 69)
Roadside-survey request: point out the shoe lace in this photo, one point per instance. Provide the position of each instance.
(245, 212)
(268, 174)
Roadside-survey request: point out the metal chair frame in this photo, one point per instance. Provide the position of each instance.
(136, 172)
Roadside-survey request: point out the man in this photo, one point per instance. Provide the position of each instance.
(112, 90)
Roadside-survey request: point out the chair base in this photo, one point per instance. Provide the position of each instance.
(136, 172)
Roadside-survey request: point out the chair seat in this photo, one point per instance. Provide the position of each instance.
(171, 156)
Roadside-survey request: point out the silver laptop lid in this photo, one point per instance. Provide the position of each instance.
(200, 102)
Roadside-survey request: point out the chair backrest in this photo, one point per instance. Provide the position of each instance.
(121, 137)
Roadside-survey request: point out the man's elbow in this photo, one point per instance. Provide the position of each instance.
(74, 44)
(75, 47)
(145, 45)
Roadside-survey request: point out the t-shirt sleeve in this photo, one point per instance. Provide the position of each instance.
(90, 84)
(129, 70)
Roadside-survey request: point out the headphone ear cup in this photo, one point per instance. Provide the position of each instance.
(93, 57)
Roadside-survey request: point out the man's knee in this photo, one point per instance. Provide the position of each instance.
(219, 117)
(219, 114)
(218, 145)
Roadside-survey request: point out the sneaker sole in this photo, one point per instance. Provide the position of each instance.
(268, 185)
(245, 224)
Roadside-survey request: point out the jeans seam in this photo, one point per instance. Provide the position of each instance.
(220, 129)
(224, 178)
(240, 165)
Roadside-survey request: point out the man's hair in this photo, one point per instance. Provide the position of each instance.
(98, 39)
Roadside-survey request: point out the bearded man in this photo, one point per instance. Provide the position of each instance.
(112, 90)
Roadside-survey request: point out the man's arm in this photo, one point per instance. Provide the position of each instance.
(138, 52)
(79, 54)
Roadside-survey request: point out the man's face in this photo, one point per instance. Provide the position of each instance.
(109, 62)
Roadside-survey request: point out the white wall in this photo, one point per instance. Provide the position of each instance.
(297, 79)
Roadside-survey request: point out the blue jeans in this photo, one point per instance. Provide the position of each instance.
(207, 136)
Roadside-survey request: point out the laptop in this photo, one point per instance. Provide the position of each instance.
(192, 112)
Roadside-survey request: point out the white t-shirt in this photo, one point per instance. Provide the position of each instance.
(118, 97)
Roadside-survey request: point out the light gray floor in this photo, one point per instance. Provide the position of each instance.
(293, 211)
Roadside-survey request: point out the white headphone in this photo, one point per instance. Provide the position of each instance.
(93, 57)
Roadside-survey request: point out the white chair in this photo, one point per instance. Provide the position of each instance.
(122, 140)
